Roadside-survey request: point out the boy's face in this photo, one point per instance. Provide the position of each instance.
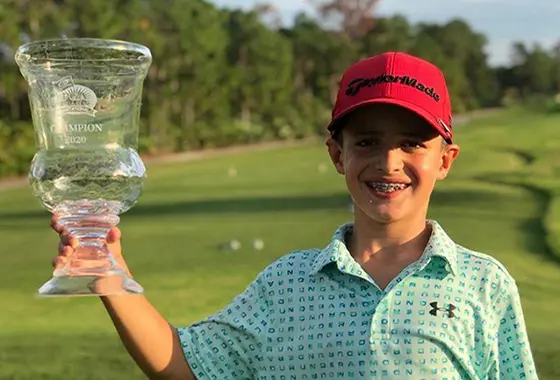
(391, 159)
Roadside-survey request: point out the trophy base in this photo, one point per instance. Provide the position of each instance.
(90, 285)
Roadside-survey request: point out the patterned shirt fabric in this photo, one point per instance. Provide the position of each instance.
(316, 314)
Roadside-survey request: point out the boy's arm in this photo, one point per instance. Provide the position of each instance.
(151, 341)
(225, 346)
(514, 358)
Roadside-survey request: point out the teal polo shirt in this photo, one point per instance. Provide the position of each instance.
(315, 314)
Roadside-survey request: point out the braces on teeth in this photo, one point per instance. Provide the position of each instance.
(387, 187)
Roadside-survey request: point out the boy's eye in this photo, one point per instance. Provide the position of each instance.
(412, 144)
(365, 142)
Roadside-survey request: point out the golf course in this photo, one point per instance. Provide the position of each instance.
(502, 198)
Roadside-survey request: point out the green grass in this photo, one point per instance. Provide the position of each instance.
(501, 199)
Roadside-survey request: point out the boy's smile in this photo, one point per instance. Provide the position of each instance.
(391, 159)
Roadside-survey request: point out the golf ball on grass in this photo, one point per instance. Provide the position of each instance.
(258, 244)
(235, 244)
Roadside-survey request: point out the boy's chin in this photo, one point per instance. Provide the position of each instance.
(383, 215)
(385, 218)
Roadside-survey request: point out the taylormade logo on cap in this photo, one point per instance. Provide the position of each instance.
(355, 85)
(399, 79)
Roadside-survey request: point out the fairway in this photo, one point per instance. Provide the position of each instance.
(499, 199)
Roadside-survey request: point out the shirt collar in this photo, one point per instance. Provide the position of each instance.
(439, 245)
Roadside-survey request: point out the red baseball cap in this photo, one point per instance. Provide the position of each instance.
(400, 79)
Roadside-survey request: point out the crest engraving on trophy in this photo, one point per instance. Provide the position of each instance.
(75, 99)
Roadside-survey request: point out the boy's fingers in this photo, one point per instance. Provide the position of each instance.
(58, 261)
(54, 224)
(114, 235)
(73, 242)
(66, 239)
(64, 250)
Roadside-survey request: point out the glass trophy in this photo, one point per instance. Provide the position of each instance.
(85, 97)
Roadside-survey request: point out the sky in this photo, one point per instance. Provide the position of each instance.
(502, 21)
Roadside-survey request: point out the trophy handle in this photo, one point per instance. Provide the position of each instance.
(91, 268)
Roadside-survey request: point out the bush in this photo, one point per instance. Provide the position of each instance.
(17, 147)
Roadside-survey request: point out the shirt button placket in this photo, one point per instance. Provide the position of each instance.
(381, 325)
(387, 335)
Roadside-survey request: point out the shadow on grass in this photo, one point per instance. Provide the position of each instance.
(469, 198)
(334, 201)
(458, 198)
(461, 199)
(534, 227)
(526, 157)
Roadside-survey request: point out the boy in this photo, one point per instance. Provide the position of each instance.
(391, 296)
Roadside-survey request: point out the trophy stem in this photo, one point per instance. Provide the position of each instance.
(91, 270)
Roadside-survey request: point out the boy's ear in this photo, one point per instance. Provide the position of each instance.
(336, 154)
(448, 155)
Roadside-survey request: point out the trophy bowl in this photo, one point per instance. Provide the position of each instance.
(85, 97)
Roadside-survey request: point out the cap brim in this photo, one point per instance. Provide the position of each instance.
(431, 119)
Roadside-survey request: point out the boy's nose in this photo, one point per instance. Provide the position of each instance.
(388, 161)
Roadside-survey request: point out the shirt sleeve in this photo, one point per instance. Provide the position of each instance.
(514, 359)
(227, 345)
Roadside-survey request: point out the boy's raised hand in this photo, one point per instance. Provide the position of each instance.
(67, 244)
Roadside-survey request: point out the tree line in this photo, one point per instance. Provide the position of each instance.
(223, 76)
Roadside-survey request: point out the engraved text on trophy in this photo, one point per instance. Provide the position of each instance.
(77, 100)
(73, 133)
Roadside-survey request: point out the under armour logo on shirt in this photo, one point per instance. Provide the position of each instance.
(448, 310)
